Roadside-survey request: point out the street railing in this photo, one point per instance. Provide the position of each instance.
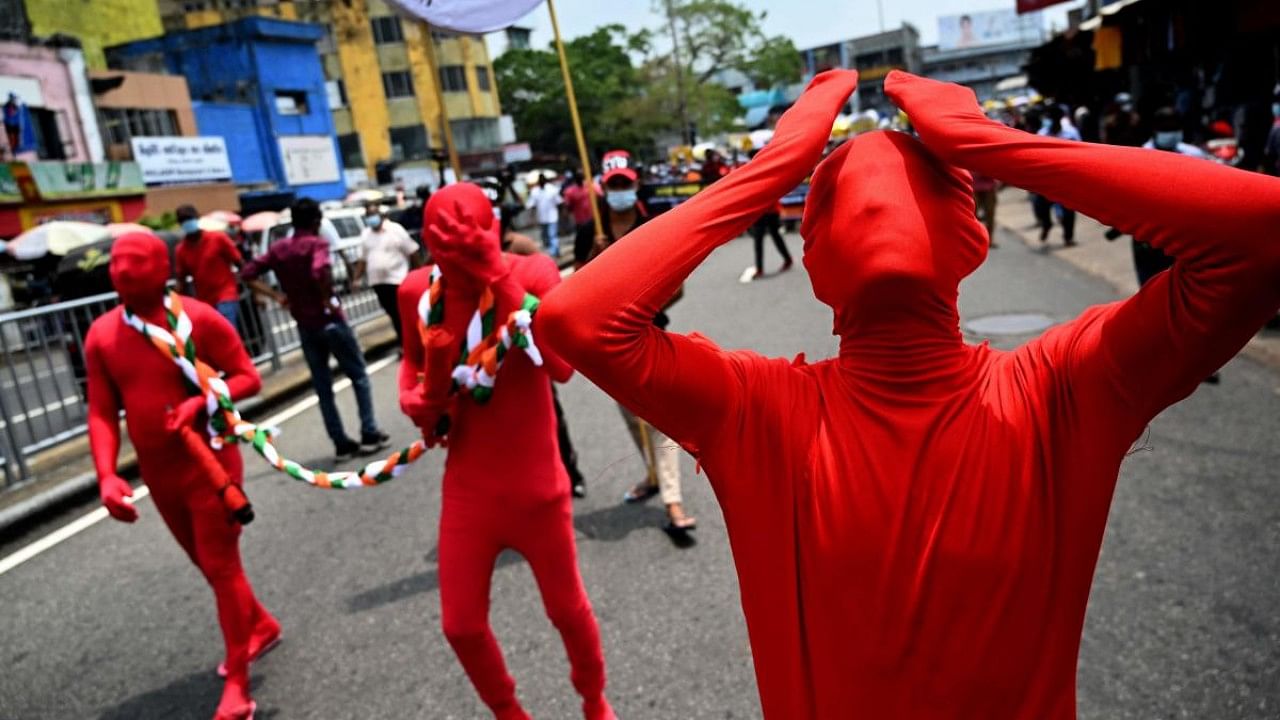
(42, 368)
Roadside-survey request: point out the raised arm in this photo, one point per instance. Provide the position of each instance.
(600, 319)
(1219, 224)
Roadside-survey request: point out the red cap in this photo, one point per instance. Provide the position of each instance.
(617, 163)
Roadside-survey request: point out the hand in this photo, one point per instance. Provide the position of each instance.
(461, 245)
(114, 490)
(282, 300)
(185, 415)
(937, 110)
(424, 413)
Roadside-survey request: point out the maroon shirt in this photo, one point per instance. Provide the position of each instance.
(299, 263)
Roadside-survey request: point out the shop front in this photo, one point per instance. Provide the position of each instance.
(33, 193)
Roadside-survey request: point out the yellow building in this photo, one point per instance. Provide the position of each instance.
(382, 92)
(97, 25)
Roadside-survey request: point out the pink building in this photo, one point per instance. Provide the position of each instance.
(53, 84)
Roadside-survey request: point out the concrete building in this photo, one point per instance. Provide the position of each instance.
(258, 84)
(97, 25)
(145, 107)
(380, 88)
(50, 81)
(985, 50)
(873, 56)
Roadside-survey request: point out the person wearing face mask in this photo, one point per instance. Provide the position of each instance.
(387, 255)
(916, 522)
(1056, 125)
(621, 213)
(126, 371)
(208, 259)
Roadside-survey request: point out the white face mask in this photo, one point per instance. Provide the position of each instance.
(620, 200)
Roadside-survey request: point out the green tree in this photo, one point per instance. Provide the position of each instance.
(532, 90)
(719, 35)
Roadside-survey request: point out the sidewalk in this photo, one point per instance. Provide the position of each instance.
(65, 474)
(1111, 261)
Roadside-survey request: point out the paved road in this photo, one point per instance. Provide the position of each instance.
(1184, 619)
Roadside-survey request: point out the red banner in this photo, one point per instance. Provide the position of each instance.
(1026, 6)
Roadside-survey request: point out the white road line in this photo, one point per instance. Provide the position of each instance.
(90, 519)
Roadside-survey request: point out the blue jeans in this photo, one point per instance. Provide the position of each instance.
(337, 340)
(550, 240)
(229, 309)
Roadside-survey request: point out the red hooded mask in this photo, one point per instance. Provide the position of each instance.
(140, 270)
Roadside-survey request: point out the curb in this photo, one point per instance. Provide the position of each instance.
(376, 340)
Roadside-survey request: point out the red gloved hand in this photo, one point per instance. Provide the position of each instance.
(940, 112)
(114, 489)
(185, 415)
(461, 246)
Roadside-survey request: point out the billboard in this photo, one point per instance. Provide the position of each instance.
(988, 27)
(166, 160)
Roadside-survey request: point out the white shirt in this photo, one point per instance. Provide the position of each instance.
(386, 253)
(546, 200)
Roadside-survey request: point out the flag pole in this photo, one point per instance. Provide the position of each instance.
(577, 121)
(444, 112)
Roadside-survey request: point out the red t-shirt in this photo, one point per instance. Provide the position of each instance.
(209, 260)
(579, 202)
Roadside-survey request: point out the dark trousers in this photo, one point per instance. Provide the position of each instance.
(387, 299)
(338, 340)
(1148, 261)
(772, 224)
(568, 456)
(1044, 208)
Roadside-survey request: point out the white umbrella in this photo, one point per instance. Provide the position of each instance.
(55, 238)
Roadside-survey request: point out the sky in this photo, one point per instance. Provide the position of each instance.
(807, 22)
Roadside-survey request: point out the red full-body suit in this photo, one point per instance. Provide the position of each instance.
(504, 484)
(915, 522)
(126, 371)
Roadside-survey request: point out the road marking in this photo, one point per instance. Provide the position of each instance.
(75, 527)
(70, 400)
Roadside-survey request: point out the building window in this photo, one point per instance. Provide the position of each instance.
(442, 35)
(119, 125)
(410, 143)
(476, 135)
(387, 30)
(482, 78)
(291, 102)
(352, 154)
(453, 78)
(397, 84)
(336, 91)
(895, 56)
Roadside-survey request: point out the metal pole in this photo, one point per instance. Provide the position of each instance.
(15, 450)
(444, 112)
(573, 114)
(685, 133)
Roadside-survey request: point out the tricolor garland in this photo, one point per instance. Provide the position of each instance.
(225, 424)
(484, 348)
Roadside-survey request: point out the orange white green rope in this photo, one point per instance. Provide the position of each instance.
(225, 424)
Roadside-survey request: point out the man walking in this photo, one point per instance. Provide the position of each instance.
(302, 264)
(545, 202)
(206, 263)
(387, 254)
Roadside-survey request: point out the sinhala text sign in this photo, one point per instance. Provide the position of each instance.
(167, 160)
(467, 16)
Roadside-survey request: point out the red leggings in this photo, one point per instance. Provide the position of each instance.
(472, 533)
(199, 523)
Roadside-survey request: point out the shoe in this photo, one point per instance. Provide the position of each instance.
(748, 275)
(1112, 234)
(1044, 233)
(786, 266)
(639, 493)
(375, 442)
(1213, 379)
(578, 489)
(1068, 242)
(264, 640)
(346, 450)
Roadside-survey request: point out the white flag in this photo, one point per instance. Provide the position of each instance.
(467, 16)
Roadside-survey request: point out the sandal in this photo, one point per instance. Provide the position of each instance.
(639, 493)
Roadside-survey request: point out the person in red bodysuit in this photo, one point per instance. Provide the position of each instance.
(504, 484)
(126, 371)
(915, 522)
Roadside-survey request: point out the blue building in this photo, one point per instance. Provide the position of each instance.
(258, 83)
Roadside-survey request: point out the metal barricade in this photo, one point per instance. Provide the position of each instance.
(42, 368)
